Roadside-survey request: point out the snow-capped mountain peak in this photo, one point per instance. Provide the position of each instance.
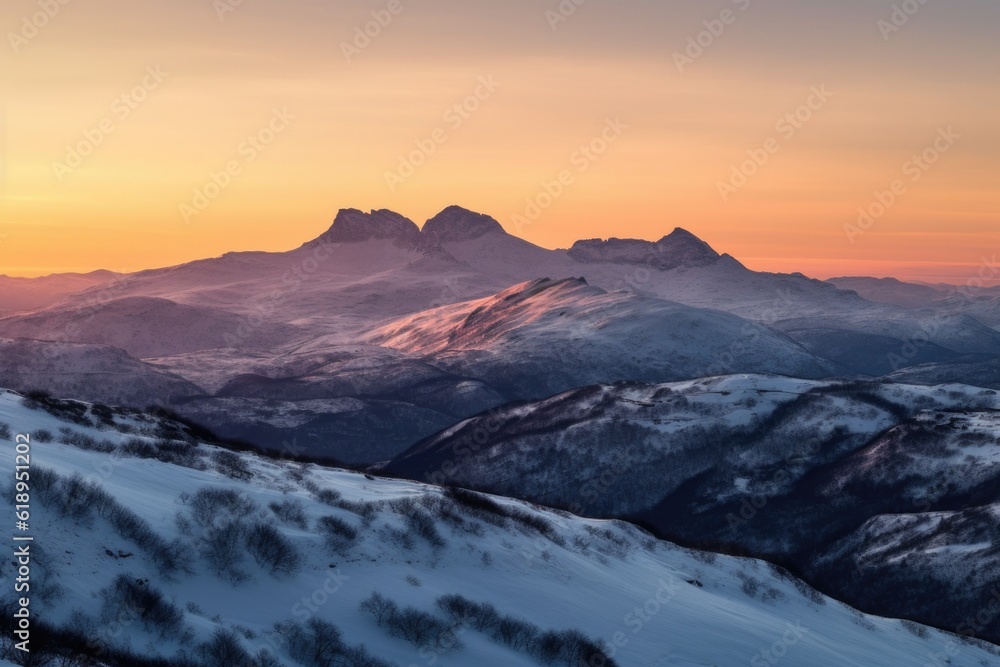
(352, 226)
(455, 224)
(679, 248)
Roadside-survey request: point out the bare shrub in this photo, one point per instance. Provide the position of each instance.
(516, 633)
(320, 644)
(418, 627)
(422, 524)
(272, 550)
(210, 504)
(379, 606)
(231, 465)
(338, 533)
(292, 512)
(221, 547)
(146, 602)
(481, 616)
(224, 649)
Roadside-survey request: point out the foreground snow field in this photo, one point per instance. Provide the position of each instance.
(650, 602)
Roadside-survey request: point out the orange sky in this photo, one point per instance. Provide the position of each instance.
(342, 124)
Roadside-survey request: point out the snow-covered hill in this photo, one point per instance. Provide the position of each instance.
(771, 466)
(270, 333)
(545, 336)
(983, 303)
(149, 544)
(26, 294)
(977, 373)
(371, 268)
(147, 327)
(88, 372)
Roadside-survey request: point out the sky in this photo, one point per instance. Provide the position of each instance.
(847, 138)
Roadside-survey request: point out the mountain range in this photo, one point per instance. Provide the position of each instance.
(380, 331)
(429, 412)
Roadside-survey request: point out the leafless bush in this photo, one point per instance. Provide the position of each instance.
(516, 633)
(320, 644)
(327, 496)
(146, 602)
(365, 509)
(338, 533)
(224, 649)
(379, 606)
(915, 628)
(222, 548)
(272, 550)
(138, 447)
(210, 504)
(481, 616)
(292, 512)
(419, 628)
(421, 523)
(231, 465)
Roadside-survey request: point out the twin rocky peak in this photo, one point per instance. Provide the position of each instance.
(456, 224)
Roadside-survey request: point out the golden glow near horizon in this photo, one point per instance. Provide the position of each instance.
(833, 140)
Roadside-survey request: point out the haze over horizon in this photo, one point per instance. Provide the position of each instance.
(169, 100)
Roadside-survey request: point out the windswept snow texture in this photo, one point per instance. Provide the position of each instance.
(650, 602)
